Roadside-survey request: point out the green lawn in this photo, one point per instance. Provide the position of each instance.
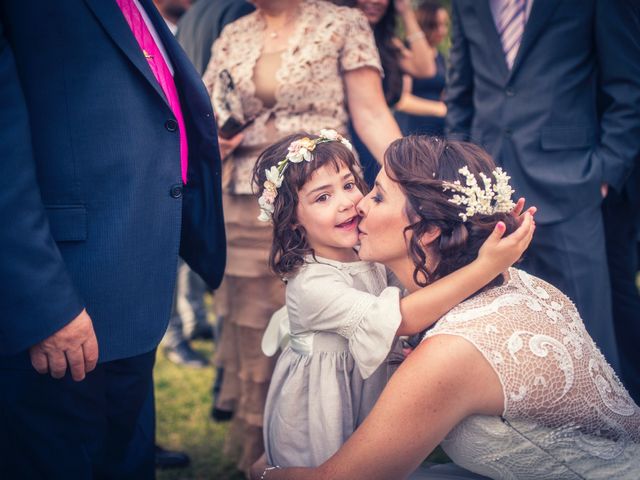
(183, 402)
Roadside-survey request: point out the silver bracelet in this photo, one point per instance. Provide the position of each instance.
(415, 36)
(268, 469)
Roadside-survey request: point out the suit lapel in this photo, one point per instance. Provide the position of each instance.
(485, 18)
(109, 15)
(541, 11)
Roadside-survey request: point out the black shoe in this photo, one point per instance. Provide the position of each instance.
(183, 354)
(202, 331)
(170, 458)
(220, 415)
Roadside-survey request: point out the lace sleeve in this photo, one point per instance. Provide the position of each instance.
(550, 369)
(359, 48)
(219, 53)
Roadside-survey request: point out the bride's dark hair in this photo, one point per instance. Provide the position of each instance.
(420, 165)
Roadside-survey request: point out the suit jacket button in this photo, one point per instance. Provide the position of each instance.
(171, 125)
(510, 92)
(507, 132)
(176, 191)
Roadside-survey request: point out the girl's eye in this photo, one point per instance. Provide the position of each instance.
(349, 186)
(322, 198)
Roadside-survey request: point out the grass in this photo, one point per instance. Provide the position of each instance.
(183, 403)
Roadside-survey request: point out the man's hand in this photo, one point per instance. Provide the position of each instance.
(74, 345)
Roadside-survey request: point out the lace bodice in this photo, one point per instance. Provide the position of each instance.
(566, 414)
(327, 41)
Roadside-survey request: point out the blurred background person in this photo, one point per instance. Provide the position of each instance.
(622, 227)
(202, 25)
(421, 108)
(549, 91)
(416, 59)
(171, 11)
(295, 65)
(198, 28)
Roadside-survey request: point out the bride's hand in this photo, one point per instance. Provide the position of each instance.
(504, 252)
(517, 210)
(258, 468)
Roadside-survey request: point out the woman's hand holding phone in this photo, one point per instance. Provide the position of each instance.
(228, 145)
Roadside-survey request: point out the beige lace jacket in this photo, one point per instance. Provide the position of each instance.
(327, 41)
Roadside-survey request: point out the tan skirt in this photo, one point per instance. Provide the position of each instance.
(247, 298)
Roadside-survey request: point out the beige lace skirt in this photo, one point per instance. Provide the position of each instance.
(247, 298)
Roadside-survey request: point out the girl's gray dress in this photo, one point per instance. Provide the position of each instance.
(343, 319)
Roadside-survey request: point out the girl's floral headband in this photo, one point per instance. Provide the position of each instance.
(493, 198)
(299, 150)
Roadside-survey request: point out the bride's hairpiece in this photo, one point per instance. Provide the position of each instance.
(493, 198)
(298, 151)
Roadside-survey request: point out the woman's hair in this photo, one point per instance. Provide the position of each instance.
(384, 32)
(426, 12)
(290, 243)
(420, 165)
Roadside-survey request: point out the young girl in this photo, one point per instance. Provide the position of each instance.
(343, 317)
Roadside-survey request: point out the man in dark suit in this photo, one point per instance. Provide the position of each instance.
(525, 81)
(110, 168)
(622, 226)
(202, 25)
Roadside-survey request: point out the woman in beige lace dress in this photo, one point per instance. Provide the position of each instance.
(296, 65)
(509, 381)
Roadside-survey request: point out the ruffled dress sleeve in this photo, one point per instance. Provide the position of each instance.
(323, 298)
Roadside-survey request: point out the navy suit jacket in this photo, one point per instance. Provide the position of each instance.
(93, 210)
(542, 120)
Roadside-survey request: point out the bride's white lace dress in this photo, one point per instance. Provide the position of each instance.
(566, 414)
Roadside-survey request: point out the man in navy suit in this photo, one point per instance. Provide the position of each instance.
(94, 211)
(622, 225)
(526, 80)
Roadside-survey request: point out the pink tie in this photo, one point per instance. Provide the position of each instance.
(160, 70)
(511, 20)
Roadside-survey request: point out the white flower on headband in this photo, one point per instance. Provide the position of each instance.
(266, 209)
(493, 198)
(299, 150)
(273, 176)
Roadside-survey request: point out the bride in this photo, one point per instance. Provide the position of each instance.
(508, 382)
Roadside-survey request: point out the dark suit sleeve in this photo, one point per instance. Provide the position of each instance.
(37, 297)
(459, 89)
(617, 30)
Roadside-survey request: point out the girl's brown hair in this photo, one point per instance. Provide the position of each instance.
(290, 244)
(420, 165)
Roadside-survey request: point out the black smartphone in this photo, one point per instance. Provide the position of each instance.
(232, 127)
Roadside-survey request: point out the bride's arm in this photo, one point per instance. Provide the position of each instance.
(442, 382)
(425, 306)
